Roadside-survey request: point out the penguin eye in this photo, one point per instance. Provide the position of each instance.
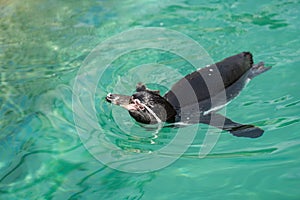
(138, 103)
(141, 107)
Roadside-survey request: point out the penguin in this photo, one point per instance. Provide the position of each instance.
(197, 97)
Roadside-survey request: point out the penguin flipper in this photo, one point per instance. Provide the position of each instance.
(236, 129)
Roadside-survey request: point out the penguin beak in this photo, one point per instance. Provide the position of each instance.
(122, 100)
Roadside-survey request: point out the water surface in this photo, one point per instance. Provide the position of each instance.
(44, 43)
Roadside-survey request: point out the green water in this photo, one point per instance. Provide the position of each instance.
(43, 44)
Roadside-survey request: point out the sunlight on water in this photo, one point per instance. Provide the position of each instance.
(43, 45)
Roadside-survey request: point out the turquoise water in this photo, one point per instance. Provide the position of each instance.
(43, 44)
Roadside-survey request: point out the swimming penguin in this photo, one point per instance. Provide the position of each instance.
(197, 97)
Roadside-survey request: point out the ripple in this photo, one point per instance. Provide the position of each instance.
(295, 103)
(42, 45)
(281, 122)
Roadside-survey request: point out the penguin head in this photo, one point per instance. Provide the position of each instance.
(145, 106)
